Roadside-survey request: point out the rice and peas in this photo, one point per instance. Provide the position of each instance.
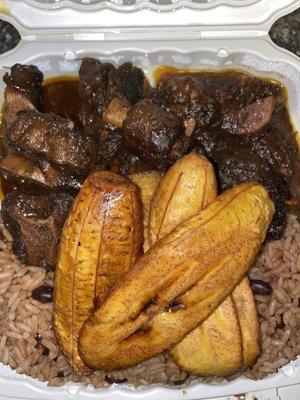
(28, 343)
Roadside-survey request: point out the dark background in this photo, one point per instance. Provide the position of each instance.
(285, 32)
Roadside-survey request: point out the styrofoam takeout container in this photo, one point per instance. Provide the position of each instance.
(208, 34)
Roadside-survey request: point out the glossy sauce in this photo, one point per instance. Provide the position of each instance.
(60, 96)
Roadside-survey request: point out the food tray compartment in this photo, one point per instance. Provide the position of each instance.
(63, 58)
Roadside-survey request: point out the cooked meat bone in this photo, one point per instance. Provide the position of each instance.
(24, 171)
(35, 223)
(199, 263)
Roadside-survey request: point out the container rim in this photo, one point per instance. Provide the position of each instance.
(246, 15)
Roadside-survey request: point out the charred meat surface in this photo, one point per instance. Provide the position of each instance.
(150, 131)
(23, 90)
(106, 93)
(126, 81)
(35, 223)
(185, 97)
(238, 164)
(93, 82)
(279, 153)
(26, 79)
(14, 102)
(53, 139)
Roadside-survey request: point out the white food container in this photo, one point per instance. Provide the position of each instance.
(209, 34)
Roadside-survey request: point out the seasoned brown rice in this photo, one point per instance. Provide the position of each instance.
(28, 343)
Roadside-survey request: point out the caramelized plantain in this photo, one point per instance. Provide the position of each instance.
(215, 347)
(101, 239)
(188, 187)
(225, 342)
(195, 267)
(147, 183)
(248, 319)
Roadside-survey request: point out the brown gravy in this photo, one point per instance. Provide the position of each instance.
(60, 96)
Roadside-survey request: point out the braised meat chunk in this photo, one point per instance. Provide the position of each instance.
(237, 87)
(35, 223)
(53, 139)
(248, 119)
(246, 103)
(14, 102)
(150, 131)
(280, 154)
(93, 82)
(185, 97)
(26, 79)
(24, 172)
(106, 93)
(126, 81)
(236, 165)
(110, 143)
(23, 91)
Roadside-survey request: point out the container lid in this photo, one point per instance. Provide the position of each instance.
(210, 17)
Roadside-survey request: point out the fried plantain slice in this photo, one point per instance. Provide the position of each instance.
(147, 182)
(190, 272)
(101, 239)
(188, 186)
(215, 347)
(249, 322)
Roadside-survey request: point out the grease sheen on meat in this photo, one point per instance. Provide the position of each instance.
(185, 97)
(23, 90)
(100, 84)
(239, 164)
(53, 139)
(150, 131)
(26, 79)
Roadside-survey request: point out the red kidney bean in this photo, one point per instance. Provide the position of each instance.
(43, 294)
(260, 287)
